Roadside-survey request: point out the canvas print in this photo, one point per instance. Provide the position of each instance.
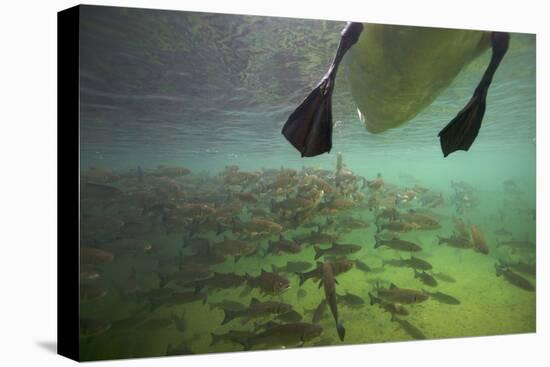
(251, 183)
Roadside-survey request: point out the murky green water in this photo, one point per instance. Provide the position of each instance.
(208, 92)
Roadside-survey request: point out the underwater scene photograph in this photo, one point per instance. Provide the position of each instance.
(251, 183)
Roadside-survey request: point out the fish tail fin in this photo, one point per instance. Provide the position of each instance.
(163, 280)
(461, 132)
(318, 252)
(250, 280)
(377, 222)
(498, 270)
(153, 304)
(341, 330)
(175, 318)
(373, 299)
(377, 242)
(169, 349)
(302, 278)
(270, 246)
(192, 229)
(215, 339)
(120, 292)
(180, 259)
(245, 343)
(185, 241)
(219, 229)
(198, 289)
(228, 316)
(377, 287)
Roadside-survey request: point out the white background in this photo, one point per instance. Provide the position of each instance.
(29, 165)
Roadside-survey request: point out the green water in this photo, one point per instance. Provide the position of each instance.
(208, 91)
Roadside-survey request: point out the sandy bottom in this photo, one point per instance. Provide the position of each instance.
(489, 304)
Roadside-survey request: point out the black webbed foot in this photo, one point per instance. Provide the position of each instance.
(460, 133)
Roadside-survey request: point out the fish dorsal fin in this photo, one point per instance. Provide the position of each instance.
(263, 271)
(395, 239)
(254, 300)
(393, 286)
